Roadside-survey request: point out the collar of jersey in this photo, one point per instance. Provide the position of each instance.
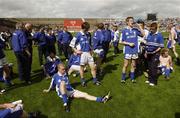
(129, 28)
(82, 32)
(155, 33)
(61, 74)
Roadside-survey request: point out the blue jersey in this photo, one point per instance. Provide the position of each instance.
(98, 39)
(51, 66)
(40, 37)
(5, 113)
(58, 78)
(131, 36)
(19, 41)
(51, 39)
(84, 40)
(74, 60)
(154, 41)
(107, 35)
(64, 37)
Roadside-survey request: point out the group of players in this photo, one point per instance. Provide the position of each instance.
(141, 43)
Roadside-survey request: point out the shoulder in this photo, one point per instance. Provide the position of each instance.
(57, 57)
(79, 34)
(169, 57)
(159, 34)
(125, 29)
(55, 76)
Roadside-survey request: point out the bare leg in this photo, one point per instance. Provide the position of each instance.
(133, 65)
(82, 71)
(93, 70)
(70, 71)
(125, 65)
(174, 51)
(84, 95)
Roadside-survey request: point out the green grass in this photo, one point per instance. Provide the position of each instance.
(128, 100)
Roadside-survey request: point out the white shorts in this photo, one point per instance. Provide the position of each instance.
(72, 93)
(131, 56)
(75, 67)
(86, 58)
(98, 51)
(3, 62)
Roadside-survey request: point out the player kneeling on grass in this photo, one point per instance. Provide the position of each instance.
(5, 68)
(50, 68)
(3, 74)
(165, 63)
(65, 90)
(74, 64)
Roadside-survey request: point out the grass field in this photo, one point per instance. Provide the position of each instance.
(128, 100)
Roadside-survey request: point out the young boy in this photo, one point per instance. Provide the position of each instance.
(165, 63)
(154, 43)
(82, 46)
(3, 75)
(115, 39)
(5, 68)
(171, 44)
(98, 40)
(65, 90)
(130, 42)
(74, 63)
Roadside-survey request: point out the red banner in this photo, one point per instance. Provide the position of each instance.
(73, 23)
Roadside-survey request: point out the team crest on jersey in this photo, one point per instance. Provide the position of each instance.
(127, 33)
(155, 40)
(81, 39)
(14, 34)
(134, 33)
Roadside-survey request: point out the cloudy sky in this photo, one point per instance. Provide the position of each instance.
(88, 8)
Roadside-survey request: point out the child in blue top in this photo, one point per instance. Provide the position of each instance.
(130, 42)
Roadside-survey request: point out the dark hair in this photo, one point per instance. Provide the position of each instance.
(140, 22)
(85, 25)
(164, 50)
(154, 24)
(130, 17)
(100, 26)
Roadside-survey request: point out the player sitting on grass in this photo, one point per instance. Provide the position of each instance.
(3, 75)
(11, 110)
(165, 62)
(65, 90)
(15, 110)
(50, 68)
